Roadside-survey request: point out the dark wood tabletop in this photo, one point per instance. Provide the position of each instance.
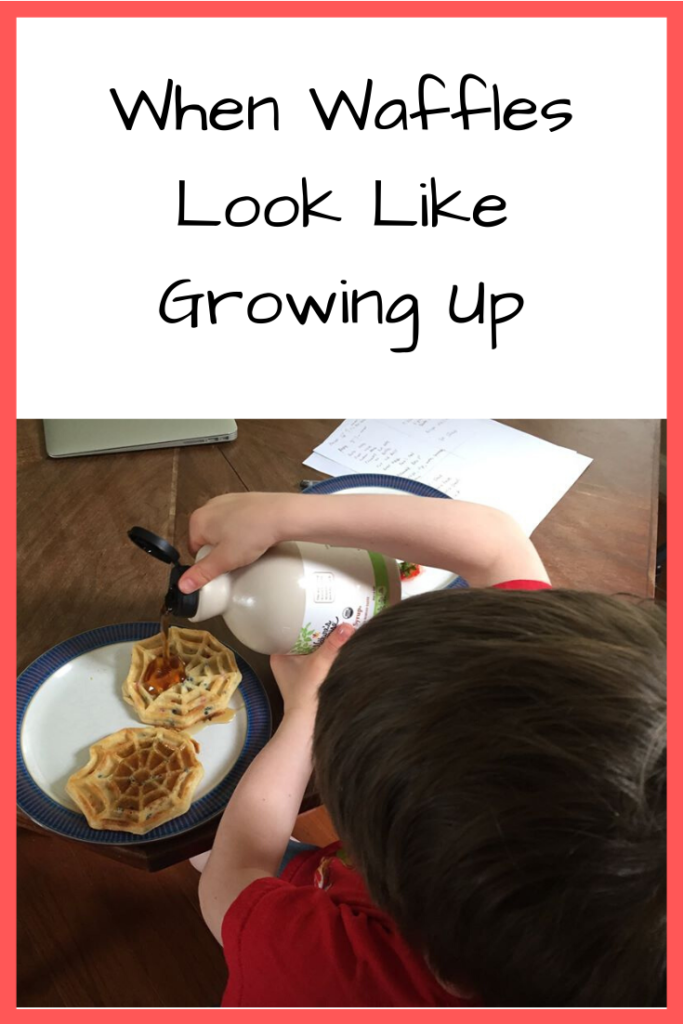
(77, 570)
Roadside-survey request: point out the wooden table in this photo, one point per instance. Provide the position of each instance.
(77, 569)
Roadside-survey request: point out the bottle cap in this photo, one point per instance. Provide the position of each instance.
(154, 545)
(177, 603)
(183, 605)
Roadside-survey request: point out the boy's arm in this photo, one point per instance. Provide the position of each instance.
(480, 543)
(258, 821)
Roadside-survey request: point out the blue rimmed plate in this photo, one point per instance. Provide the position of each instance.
(71, 696)
(380, 483)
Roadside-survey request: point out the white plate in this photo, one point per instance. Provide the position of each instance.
(82, 703)
(71, 697)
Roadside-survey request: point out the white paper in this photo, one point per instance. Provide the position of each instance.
(478, 439)
(325, 465)
(475, 460)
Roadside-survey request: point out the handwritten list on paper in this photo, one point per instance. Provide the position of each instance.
(475, 460)
(375, 446)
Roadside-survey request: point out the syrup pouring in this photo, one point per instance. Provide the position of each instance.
(166, 669)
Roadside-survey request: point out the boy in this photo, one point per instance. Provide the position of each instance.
(493, 761)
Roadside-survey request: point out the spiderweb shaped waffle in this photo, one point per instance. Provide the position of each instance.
(211, 679)
(136, 779)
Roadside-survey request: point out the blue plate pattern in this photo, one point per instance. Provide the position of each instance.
(53, 816)
(396, 483)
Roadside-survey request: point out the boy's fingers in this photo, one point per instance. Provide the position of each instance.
(203, 572)
(328, 651)
(196, 538)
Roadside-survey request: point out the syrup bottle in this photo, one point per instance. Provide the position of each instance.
(288, 600)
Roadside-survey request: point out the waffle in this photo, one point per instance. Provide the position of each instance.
(211, 678)
(136, 779)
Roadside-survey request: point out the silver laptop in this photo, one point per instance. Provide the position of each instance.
(95, 437)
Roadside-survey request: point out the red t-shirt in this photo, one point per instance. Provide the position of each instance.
(313, 937)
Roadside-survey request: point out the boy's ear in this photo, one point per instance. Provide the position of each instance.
(460, 989)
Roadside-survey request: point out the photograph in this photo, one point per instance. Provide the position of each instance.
(360, 712)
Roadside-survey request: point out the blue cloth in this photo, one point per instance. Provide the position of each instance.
(293, 848)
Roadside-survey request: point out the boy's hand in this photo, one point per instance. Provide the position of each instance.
(240, 527)
(299, 676)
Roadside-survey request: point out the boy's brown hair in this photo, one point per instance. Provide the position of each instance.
(495, 764)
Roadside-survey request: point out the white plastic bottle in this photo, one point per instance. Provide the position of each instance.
(296, 593)
(291, 598)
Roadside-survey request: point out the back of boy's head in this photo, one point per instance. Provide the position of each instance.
(495, 764)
